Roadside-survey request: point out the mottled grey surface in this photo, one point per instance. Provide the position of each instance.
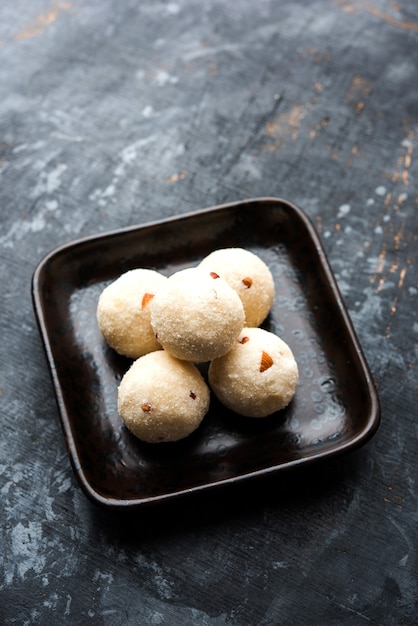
(113, 114)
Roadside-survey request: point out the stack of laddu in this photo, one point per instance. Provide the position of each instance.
(208, 313)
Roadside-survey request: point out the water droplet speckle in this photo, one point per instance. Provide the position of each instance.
(328, 384)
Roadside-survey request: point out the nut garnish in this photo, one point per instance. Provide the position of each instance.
(147, 297)
(266, 361)
(146, 407)
(214, 275)
(245, 339)
(247, 281)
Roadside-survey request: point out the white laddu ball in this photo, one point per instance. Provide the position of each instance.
(257, 377)
(249, 276)
(124, 312)
(161, 398)
(196, 315)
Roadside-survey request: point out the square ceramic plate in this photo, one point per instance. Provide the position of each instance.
(335, 408)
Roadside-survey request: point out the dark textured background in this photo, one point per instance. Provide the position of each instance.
(113, 114)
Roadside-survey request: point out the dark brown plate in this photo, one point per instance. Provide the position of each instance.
(335, 408)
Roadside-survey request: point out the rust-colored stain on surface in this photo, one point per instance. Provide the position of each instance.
(285, 125)
(43, 21)
(322, 124)
(378, 274)
(392, 498)
(392, 21)
(358, 92)
(174, 178)
(290, 120)
(397, 234)
(406, 165)
(394, 9)
(401, 277)
(348, 7)
(404, 161)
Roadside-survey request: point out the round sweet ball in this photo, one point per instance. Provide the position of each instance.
(257, 377)
(197, 316)
(249, 276)
(161, 398)
(124, 312)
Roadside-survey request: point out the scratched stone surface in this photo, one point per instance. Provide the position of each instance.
(114, 114)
